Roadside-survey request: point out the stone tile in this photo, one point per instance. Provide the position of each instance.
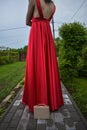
(21, 106)
(80, 126)
(50, 122)
(19, 97)
(71, 108)
(63, 88)
(11, 129)
(52, 116)
(51, 128)
(18, 114)
(39, 121)
(13, 109)
(63, 113)
(41, 127)
(61, 109)
(67, 101)
(66, 113)
(32, 123)
(14, 123)
(59, 117)
(65, 96)
(69, 124)
(64, 92)
(21, 93)
(60, 126)
(3, 126)
(65, 118)
(75, 116)
(16, 103)
(8, 117)
(24, 120)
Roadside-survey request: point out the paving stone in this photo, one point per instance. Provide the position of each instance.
(69, 124)
(66, 113)
(41, 127)
(14, 123)
(24, 120)
(8, 117)
(21, 93)
(18, 114)
(51, 128)
(50, 122)
(80, 126)
(41, 121)
(32, 123)
(21, 106)
(52, 116)
(19, 97)
(67, 101)
(64, 92)
(3, 126)
(61, 109)
(60, 126)
(71, 108)
(63, 88)
(13, 109)
(20, 118)
(58, 117)
(70, 128)
(65, 96)
(16, 103)
(11, 129)
(75, 116)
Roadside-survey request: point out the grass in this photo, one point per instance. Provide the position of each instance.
(80, 94)
(10, 75)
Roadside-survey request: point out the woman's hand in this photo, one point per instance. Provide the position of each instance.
(28, 23)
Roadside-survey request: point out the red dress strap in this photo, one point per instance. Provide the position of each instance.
(39, 8)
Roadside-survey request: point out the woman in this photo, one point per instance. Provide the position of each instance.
(42, 81)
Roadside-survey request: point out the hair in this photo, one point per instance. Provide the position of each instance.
(47, 1)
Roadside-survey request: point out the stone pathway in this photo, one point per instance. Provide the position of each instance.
(68, 117)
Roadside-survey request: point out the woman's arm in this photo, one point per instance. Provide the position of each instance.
(30, 12)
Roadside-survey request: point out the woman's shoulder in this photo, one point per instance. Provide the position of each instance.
(32, 2)
(52, 3)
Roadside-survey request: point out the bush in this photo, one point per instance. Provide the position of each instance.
(73, 38)
(4, 60)
(82, 63)
(8, 57)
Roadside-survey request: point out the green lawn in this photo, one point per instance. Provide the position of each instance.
(10, 75)
(80, 94)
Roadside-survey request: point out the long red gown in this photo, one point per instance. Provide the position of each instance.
(42, 81)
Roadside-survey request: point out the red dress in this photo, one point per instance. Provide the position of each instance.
(42, 81)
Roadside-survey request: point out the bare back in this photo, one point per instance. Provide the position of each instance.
(47, 9)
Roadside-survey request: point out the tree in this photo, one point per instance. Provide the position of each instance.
(57, 43)
(73, 37)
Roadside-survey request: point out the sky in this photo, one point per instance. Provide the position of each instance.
(13, 31)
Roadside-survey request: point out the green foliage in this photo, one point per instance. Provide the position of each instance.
(4, 60)
(73, 37)
(57, 44)
(11, 55)
(24, 49)
(80, 94)
(8, 56)
(82, 63)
